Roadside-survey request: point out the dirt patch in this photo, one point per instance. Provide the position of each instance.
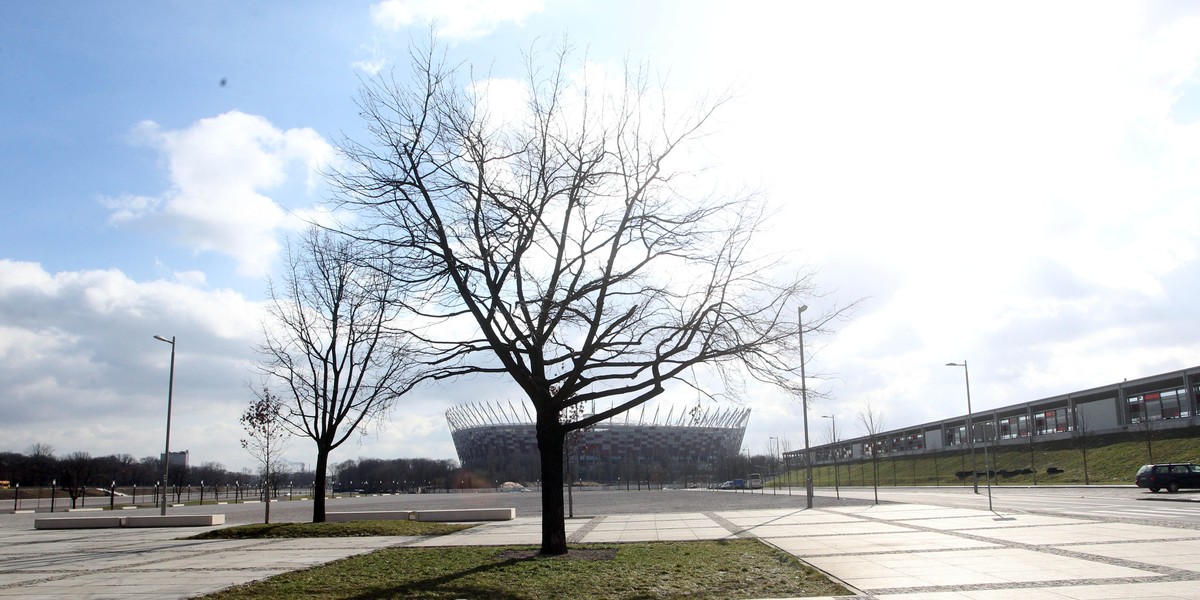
(573, 554)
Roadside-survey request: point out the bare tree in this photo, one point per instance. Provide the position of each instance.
(331, 342)
(41, 461)
(263, 421)
(79, 468)
(559, 248)
(871, 421)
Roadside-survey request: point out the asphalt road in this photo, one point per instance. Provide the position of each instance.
(587, 504)
(1121, 503)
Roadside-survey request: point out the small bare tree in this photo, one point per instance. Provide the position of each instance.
(871, 421)
(263, 421)
(573, 447)
(79, 468)
(332, 342)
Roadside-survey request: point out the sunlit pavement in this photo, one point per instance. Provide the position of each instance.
(920, 551)
(889, 551)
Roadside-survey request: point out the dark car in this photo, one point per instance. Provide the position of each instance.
(1173, 477)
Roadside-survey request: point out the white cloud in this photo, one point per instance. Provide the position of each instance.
(221, 169)
(77, 358)
(456, 20)
(80, 370)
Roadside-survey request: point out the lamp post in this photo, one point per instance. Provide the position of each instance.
(971, 427)
(808, 483)
(774, 449)
(167, 449)
(836, 483)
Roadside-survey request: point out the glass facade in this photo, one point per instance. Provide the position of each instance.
(1014, 427)
(1155, 406)
(1056, 420)
(1175, 398)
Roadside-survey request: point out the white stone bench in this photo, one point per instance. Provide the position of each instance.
(467, 514)
(443, 515)
(130, 521)
(368, 515)
(174, 521)
(77, 522)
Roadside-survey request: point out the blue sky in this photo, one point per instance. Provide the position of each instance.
(1010, 183)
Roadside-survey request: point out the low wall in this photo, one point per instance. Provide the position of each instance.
(131, 521)
(442, 516)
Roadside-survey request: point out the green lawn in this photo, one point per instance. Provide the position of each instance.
(709, 569)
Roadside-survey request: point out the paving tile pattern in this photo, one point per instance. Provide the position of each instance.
(883, 552)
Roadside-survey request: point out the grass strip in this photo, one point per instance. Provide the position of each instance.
(725, 569)
(317, 530)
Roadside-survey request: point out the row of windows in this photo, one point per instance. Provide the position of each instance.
(1154, 406)
(1171, 404)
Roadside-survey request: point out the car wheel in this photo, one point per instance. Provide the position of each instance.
(1154, 490)
(1173, 487)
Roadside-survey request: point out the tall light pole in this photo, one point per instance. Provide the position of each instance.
(167, 449)
(836, 484)
(808, 483)
(970, 425)
(774, 451)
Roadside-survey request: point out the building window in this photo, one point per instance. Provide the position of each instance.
(1156, 406)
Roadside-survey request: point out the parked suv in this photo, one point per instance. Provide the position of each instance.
(1173, 477)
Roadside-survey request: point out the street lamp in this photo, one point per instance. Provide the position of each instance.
(836, 483)
(967, 376)
(774, 449)
(808, 483)
(167, 449)
(970, 424)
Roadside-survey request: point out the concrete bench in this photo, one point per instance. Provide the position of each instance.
(77, 522)
(130, 521)
(467, 514)
(444, 515)
(368, 515)
(174, 521)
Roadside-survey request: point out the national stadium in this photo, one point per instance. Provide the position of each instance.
(634, 446)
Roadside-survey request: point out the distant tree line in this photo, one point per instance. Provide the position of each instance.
(407, 475)
(80, 473)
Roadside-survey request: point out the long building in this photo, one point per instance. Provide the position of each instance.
(497, 437)
(1164, 401)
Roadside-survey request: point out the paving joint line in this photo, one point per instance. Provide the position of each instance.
(1024, 585)
(729, 526)
(132, 567)
(578, 535)
(1166, 572)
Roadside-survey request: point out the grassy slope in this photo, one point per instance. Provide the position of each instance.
(1111, 459)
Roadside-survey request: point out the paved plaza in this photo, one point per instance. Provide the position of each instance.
(887, 551)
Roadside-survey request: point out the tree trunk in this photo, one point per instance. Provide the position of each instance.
(550, 449)
(319, 485)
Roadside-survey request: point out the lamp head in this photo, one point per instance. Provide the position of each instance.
(163, 339)
(803, 307)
